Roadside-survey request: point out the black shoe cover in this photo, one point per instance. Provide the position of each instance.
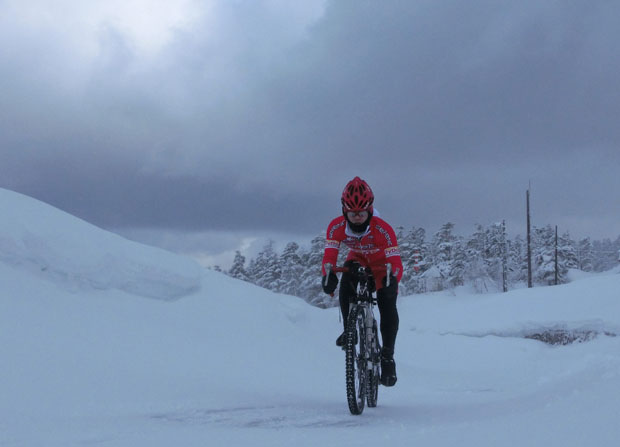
(388, 372)
(340, 341)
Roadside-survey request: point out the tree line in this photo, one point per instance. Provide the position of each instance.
(486, 261)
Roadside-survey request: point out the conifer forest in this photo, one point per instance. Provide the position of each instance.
(486, 261)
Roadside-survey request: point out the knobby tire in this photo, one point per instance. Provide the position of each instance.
(357, 386)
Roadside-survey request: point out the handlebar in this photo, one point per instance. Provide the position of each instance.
(338, 269)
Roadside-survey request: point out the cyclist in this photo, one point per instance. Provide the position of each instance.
(372, 243)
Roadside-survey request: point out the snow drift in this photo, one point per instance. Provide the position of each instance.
(58, 247)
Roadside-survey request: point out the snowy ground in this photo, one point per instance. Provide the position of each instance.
(107, 342)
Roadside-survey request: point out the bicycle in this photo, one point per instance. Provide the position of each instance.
(362, 346)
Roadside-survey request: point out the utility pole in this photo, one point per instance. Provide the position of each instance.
(504, 258)
(529, 243)
(556, 255)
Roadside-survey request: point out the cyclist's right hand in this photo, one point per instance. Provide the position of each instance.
(329, 282)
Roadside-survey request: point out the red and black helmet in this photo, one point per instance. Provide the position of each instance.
(357, 196)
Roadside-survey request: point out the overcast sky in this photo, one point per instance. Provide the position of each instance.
(203, 125)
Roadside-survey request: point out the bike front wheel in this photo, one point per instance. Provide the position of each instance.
(356, 362)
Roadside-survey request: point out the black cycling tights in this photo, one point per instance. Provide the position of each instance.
(386, 301)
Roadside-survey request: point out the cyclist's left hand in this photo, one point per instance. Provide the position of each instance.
(393, 281)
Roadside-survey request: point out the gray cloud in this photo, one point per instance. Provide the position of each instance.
(253, 117)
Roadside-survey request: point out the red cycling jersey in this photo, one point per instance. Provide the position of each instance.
(374, 248)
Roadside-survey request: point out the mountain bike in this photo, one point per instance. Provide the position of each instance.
(362, 346)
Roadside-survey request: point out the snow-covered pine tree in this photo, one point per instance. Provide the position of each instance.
(443, 253)
(457, 272)
(585, 255)
(606, 254)
(413, 251)
(237, 270)
(405, 254)
(420, 249)
(403, 245)
(543, 255)
(476, 268)
(310, 287)
(567, 256)
(494, 252)
(517, 262)
(292, 270)
(265, 270)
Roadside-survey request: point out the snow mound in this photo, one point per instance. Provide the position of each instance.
(61, 248)
(556, 334)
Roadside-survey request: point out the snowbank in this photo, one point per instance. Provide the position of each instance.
(77, 255)
(591, 303)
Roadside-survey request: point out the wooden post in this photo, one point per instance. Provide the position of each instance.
(529, 243)
(504, 258)
(556, 256)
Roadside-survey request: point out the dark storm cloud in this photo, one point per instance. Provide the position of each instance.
(144, 200)
(247, 122)
(470, 77)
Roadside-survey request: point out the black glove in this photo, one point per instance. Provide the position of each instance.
(393, 281)
(332, 283)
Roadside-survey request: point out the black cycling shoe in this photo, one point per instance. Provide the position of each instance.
(388, 371)
(342, 340)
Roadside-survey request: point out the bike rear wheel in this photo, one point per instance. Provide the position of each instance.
(356, 361)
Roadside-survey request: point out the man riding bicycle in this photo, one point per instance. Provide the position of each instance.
(372, 243)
